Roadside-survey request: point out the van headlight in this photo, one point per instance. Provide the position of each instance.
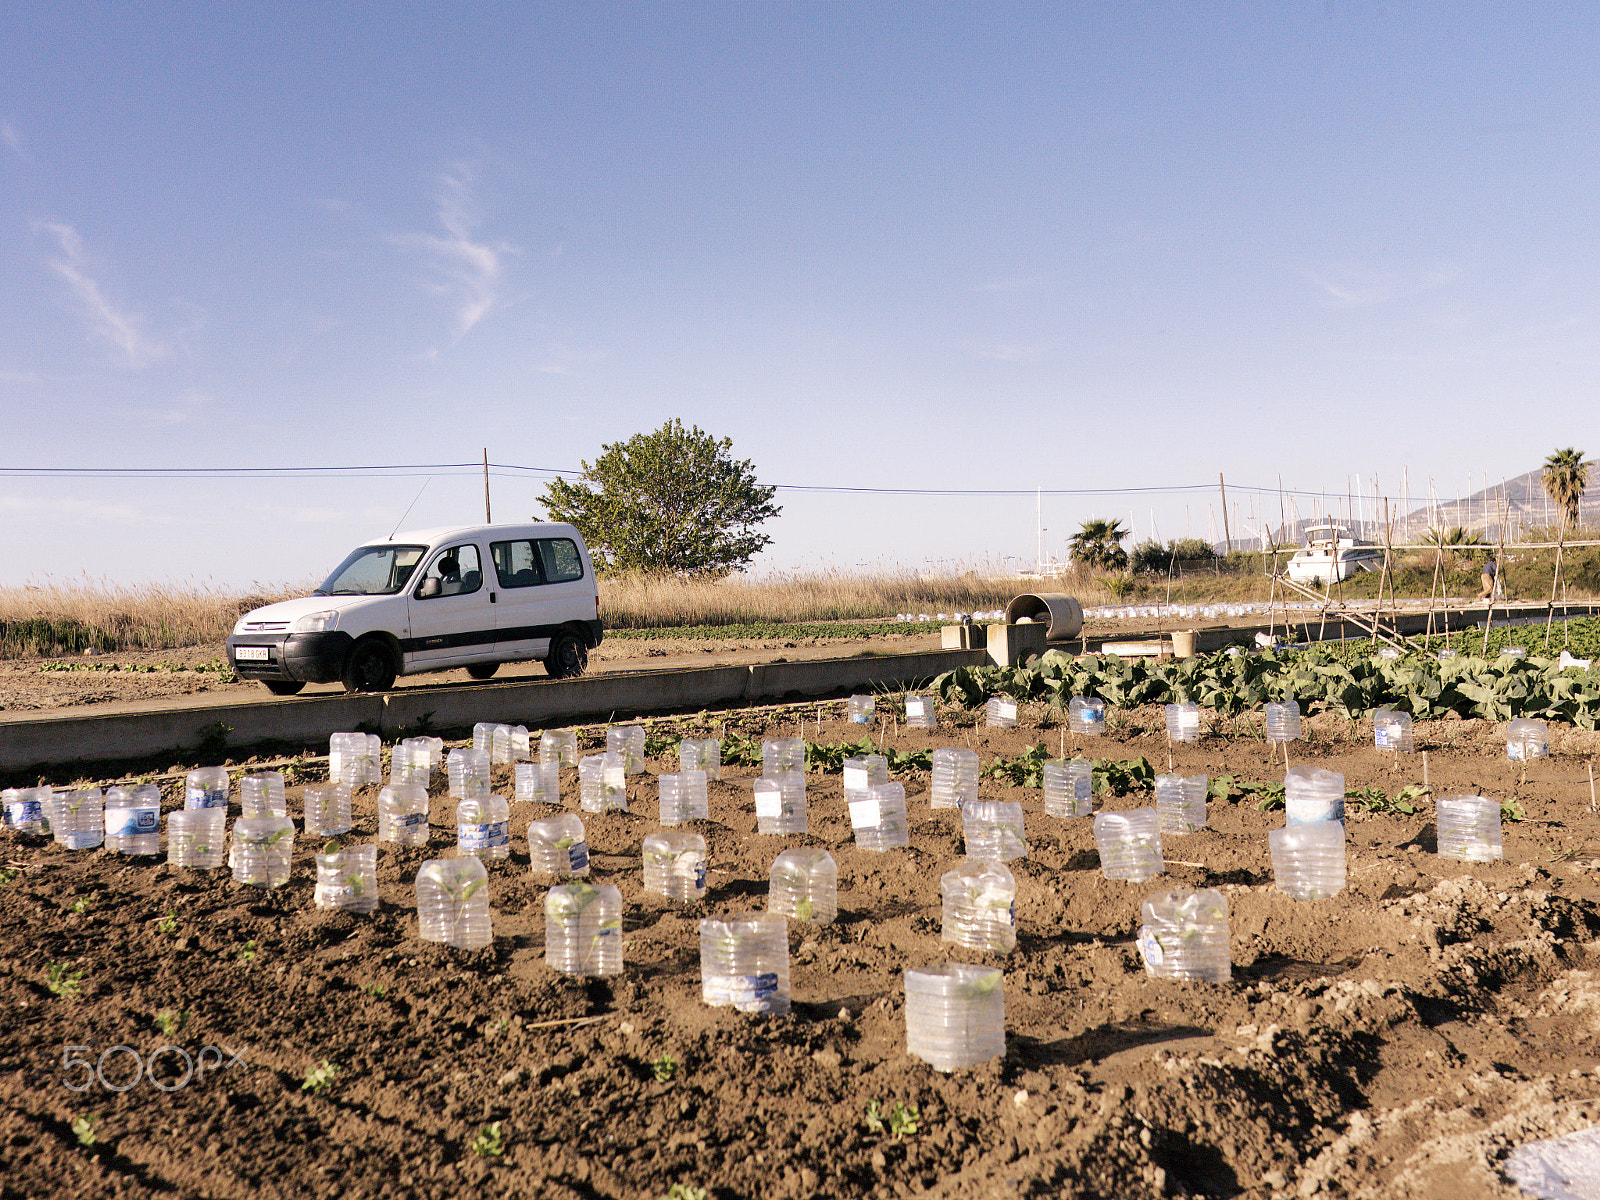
(317, 622)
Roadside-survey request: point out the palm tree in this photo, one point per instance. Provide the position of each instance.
(1099, 544)
(1455, 536)
(1565, 476)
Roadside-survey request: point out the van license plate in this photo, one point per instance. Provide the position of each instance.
(251, 653)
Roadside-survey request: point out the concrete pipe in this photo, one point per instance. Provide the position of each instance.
(1063, 612)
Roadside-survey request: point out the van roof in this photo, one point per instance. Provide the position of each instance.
(443, 532)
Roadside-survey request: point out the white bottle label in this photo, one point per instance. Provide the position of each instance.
(914, 708)
(857, 779)
(769, 804)
(865, 814)
(1006, 711)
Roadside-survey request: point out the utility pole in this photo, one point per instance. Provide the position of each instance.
(1227, 538)
(487, 519)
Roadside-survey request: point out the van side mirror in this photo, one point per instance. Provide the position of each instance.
(429, 588)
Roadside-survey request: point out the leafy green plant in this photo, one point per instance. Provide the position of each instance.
(83, 1129)
(376, 989)
(80, 905)
(170, 1022)
(490, 1141)
(664, 1068)
(168, 923)
(1376, 800)
(685, 1191)
(247, 952)
(319, 1078)
(7, 874)
(1511, 810)
(61, 982)
(899, 1120)
(213, 741)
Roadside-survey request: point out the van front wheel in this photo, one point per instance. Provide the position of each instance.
(568, 656)
(370, 668)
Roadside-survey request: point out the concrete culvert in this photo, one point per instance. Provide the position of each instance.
(1063, 612)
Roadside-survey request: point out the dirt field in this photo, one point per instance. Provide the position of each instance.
(1397, 1040)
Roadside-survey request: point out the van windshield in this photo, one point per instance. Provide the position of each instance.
(372, 571)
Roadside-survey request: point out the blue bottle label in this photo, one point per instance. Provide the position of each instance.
(578, 855)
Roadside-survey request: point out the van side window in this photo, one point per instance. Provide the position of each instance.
(559, 557)
(457, 570)
(515, 563)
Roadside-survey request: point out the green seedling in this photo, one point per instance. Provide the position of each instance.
(170, 1022)
(490, 1141)
(247, 952)
(83, 1129)
(61, 982)
(685, 1191)
(664, 1068)
(900, 1120)
(168, 923)
(80, 905)
(319, 1078)
(376, 989)
(1511, 810)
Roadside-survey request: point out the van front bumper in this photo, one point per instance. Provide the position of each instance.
(300, 657)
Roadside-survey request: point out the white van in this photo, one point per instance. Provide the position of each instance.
(431, 600)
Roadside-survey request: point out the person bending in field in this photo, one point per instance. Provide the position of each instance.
(1488, 580)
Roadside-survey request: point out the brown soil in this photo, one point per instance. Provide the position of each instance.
(1396, 1040)
(148, 678)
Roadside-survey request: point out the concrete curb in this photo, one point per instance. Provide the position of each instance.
(307, 721)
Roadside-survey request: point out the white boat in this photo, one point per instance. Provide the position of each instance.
(1330, 555)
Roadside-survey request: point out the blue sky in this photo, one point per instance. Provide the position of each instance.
(950, 246)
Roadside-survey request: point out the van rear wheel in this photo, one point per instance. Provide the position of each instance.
(568, 656)
(370, 668)
(483, 670)
(283, 687)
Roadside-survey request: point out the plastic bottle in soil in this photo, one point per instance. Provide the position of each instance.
(133, 820)
(879, 818)
(1469, 828)
(804, 885)
(1185, 936)
(744, 961)
(1527, 739)
(783, 754)
(683, 797)
(862, 772)
(675, 866)
(415, 760)
(327, 808)
(537, 783)
(557, 846)
(468, 773)
(1183, 722)
(1312, 794)
(583, 929)
(980, 906)
(781, 803)
(262, 850)
(1391, 730)
(1086, 715)
(559, 746)
(955, 777)
(347, 878)
(602, 783)
(262, 795)
(483, 737)
(1283, 721)
(701, 754)
(627, 741)
(955, 1015)
(25, 809)
(1129, 844)
(1308, 861)
(453, 903)
(1181, 803)
(206, 787)
(992, 829)
(860, 710)
(1069, 788)
(1000, 712)
(196, 837)
(403, 815)
(483, 827)
(920, 712)
(354, 759)
(1514, 652)
(510, 744)
(77, 818)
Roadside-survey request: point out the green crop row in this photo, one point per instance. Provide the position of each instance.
(853, 630)
(1319, 678)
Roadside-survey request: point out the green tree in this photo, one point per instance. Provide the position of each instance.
(674, 501)
(1099, 544)
(1565, 476)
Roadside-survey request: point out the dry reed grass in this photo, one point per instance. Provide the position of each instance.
(56, 617)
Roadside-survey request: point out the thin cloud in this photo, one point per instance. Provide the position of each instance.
(35, 507)
(12, 140)
(102, 319)
(184, 408)
(1368, 289)
(465, 269)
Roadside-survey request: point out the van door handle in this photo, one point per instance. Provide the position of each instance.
(491, 598)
